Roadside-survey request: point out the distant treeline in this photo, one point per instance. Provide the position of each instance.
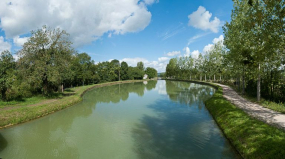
(47, 63)
(252, 55)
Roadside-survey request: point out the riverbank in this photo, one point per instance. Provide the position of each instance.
(251, 138)
(16, 114)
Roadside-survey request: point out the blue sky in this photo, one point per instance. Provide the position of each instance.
(151, 31)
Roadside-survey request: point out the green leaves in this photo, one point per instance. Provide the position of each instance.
(151, 72)
(7, 66)
(45, 58)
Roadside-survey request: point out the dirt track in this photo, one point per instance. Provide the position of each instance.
(266, 115)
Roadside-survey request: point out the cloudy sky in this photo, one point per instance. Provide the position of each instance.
(152, 31)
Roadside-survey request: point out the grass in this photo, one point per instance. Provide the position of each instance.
(17, 112)
(251, 137)
(23, 102)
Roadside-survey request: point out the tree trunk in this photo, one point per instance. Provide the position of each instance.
(200, 78)
(190, 77)
(258, 84)
(45, 86)
(214, 78)
(119, 75)
(239, 87)
(243, 84)
(61, 88)
(205, 77)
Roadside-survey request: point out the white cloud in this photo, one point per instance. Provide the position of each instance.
(85, 20)
(194, 38)
(172, 31)
(133, 61)
(173, 53)
(220, 38)
(209, 47)
(16, 57)
(201, 19)
(149, 2)
(195, 54)
(187, 51)
(20, 41)
(161, 59)
(159, 65)
(4, 45)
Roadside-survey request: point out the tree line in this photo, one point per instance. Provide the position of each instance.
(48, 63)
(252, 55)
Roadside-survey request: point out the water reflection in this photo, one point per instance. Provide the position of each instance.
(116, 122)
(188, 93)
(180, 132)
(3, 143)
(118, 92)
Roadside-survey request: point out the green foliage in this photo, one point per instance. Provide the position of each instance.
(252, 55)
(151, 72)
(45, 59)
(140, 66)
(7, 66)
(135, 73)
(81, 69)
(171, 68)
(124, 71)
(116, 67)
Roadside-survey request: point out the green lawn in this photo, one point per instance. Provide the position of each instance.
(251, 137)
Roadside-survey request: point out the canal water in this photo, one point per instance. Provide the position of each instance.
(147, 120)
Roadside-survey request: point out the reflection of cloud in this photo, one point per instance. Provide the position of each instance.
(160, 87)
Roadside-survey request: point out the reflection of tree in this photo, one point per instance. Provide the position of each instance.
(115, 93)
(3, 143)
(188, 93)
(151, 85)
(179, 133)
(55, 131)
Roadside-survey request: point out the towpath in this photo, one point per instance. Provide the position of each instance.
(266, 115)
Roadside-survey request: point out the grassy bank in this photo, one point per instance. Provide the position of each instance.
(18, 112)
(251, 137)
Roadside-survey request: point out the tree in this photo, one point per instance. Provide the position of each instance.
(151, 72)
(135, 73)
(117, 68)
(140, 66)
(171, 68)
(45, 58)
(124, 71)
(82, 65)
(7, 66)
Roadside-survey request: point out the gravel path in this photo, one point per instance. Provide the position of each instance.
(266, 115)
